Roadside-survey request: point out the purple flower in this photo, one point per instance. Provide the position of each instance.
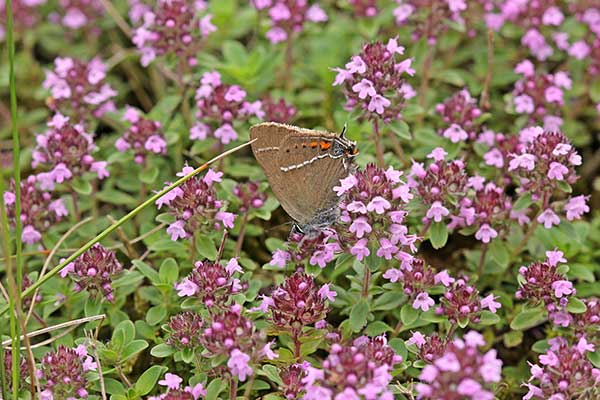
(289, 16)
(327, 293)
(62, 372)
(238, 364)
(94, 271)
(490, 303)
(371, 81)
(562, 288)
(548, 218)
(427, 19)
(437, 212)
(171, 381)
(576, 207)
(177, 231)
(485, 233)
(423, 301)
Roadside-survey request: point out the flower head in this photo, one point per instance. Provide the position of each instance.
(144, 136)
(288, 17)
(63, 372)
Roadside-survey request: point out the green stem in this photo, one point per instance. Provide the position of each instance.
(484, 250)
(240, 239)
(10, 41)
(366, 282)
(124, 219)
(233, 388)
(378, 144)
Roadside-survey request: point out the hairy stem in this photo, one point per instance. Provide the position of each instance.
(378, 144)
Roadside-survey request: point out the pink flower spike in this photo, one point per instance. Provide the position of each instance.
(423, 301)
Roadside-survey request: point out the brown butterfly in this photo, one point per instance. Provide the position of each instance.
(302, 167)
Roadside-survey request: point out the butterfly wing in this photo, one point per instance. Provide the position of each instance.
(299, 167)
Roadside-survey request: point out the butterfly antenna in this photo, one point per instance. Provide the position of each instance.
(343, 134)
(279, 226)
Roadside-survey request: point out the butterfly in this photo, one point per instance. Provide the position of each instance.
(302, 167)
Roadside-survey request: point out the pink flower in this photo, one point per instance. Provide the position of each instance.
(576, 207)
(206, 26)
(171, 381)
(444, 278)
(555, 257)
(238, 364)
(437, 211)
(486, 233)
(235, 93)
(455, 133)
(357, 207)
(316, 14)
(525, 68)
(186, 288)
(360, 226)
(233, 266)
(379, 205)
(327, 293)
(226, 218)
(525, 161)
(356, 65)
(524, 104)
(583, 345)
(30, 235)
(280, 258)
(553, 94)
(553, 16)
(211, 177)
(386, 249)
(364, 88)
(562, 288)
(490, 303)
(345, 184)
(156, 144)
(225, 133)
(468, 387)
(276, 35)
(579, 50)
(417, 339)
(423, 301)
(199, 131)
(99, 167)
(267, 352)
(360, 249)
(341, 77)
(378, 103)
(177, 231)
(557, 171)
(548, 218)
(494, 158)
(393, 275)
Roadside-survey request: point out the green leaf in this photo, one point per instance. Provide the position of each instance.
(234, 52)
(523, 202)
(162, 350)
(213, 389)
(163, 110)
(132, 348)
(169, 271)
(206, 248)
(82, 186)
(156, 314)
(488, 318)
(499, 252)
(594, 357)
(528, 318)
(576, 306)
(145, 383)
(438, 234)
(564, 186)
(147, 271)
(540, 346)
(513, 338)
(408, 314)
(358, 315)
(113, 387)
(149, 175)
(399, 347)
(376, 328)
(401, 129)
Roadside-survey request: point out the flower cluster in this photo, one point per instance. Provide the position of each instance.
(62, 374)
(357, 371)
(233, 335)
(417, 278)
(175, 28)
(364, 8)
(430, 16)
(564, 372)
(23, 368)
(221, 105)
(94, 271)
(588, 323)
(39, 209)
(195, 206)
(298, 302)
(374, 81)
(291, 377)
(249, 195)
(531, 17)
(460, 113)
(278, 111)
(440, 186)
(540, 95)
(318, 249)
(79, 14)
(544, 164)
(541, 282)
(176, 392)
(67, 150)
(79, 89)
(144, 136)
(429, 347)
(502, 147)
(212, 283)
(462, 371)
(462, 303)
(372, 211)
(25, 15)
(288, 17)
(488, 210)
(184, 330)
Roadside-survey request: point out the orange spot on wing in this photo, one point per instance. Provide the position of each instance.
(325, 145)
(313, 144)
(355, 151)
